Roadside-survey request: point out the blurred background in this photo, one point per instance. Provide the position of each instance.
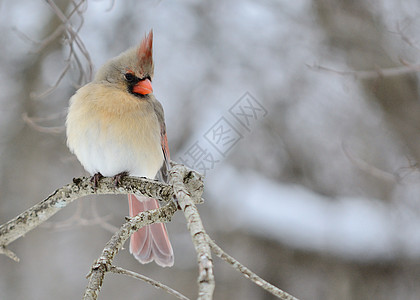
(316, 185)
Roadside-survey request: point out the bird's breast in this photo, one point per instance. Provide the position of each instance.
(111, 131)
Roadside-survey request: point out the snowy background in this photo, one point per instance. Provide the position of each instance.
(320, 196)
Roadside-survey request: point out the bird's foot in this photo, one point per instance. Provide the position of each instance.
(95, 180)
(117, 178)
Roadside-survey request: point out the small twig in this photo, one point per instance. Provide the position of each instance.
(71, 34)
(405, 38)
(102, 221)
(70, 222)
(403, 172)
(9, 253)
(32, 122)
(78, 220)
(153, 282)
(247, 272)
(184, 183)
(51, 89)
(368, 168)
(50, 117)
(380, 72)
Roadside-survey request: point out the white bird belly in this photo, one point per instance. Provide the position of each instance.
(111, 132)
(101, 152)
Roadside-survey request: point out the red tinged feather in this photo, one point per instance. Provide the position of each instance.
(151, 242)
(145, 51)
(165, 148)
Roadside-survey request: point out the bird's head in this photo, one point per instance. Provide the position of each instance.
(132, 70)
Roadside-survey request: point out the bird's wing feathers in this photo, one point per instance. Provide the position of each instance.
(163, 172)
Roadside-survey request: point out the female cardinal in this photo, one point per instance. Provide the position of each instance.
(115, 127)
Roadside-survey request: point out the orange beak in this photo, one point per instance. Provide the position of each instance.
(143, 87)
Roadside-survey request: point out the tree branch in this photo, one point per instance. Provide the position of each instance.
(9, 254)
(80, 187)
(103, 264)
(380, 72)
(155, 283)
(248, 273)
(187, 188)
(187, 184)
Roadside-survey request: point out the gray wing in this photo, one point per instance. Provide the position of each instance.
(163, 172)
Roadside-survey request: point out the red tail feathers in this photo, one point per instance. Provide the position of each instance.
(150, 242)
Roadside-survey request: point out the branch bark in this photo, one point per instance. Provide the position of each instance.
(248, 273)
(187, 188)
(186, 185)
(104, 263)
(80, 187)
(155, 283)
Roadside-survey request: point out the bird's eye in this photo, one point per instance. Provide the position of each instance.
(130, 77)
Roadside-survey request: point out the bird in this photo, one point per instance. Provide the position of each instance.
(116, 127)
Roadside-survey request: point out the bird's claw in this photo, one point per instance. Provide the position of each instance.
(95, 180)
(117, 178)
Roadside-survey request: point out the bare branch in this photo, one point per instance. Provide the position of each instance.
(186, 184)
(31, 122)
(405, 38)
(73, 40)
(155, 283)
(8, 253)
(102, 221)
(103, 264)
(187, 188)
(248, 273)
(57, 32)
(80, 187)
(78, 220)
(51, 89)
(368, 168)
(380, 72)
